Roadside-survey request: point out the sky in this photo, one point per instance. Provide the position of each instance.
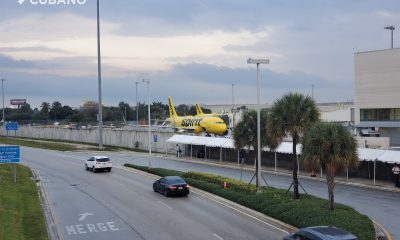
(192, 50)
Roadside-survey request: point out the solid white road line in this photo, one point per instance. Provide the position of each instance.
(215, 235)
(242, 212)
(165, 205)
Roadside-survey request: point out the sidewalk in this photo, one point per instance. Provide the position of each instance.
(356, 182)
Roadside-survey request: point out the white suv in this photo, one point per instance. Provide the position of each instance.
(96, 163)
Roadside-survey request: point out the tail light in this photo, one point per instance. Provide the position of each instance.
(187, 186)
(172, 187)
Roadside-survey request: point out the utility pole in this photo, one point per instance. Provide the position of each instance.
(391, 28)
(148, 112)
(312, 91)
(100, 115)
(137, 106)
(2, 94)
(258, 178)
(233, 107)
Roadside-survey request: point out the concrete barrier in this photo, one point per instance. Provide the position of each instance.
(114, 137)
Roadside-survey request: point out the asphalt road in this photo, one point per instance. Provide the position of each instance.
(122, 205)
(381, 206)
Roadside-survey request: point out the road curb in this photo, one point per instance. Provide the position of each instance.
(51, 223)
(252, 213)
(383, 234)
(353, 184)
(284, 227)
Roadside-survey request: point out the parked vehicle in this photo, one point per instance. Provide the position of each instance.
(171, 185)
(320, 233)
(97, 163)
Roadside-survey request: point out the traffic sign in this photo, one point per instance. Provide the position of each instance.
(10, 154)
(11, 126)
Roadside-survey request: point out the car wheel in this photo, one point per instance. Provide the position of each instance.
(166, 193)
(109, 169)
(86, 167)
(154, 188)
(93, 169)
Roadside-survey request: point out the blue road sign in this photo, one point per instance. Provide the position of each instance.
(155, 138)
(11, 126)
(10, 154)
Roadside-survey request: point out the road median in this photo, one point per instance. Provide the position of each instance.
(275, 203)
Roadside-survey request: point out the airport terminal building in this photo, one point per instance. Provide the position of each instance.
(377, 93)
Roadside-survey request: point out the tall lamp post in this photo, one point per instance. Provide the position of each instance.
(100, 115)
(2, 94)
(148, 115)
(233, 107)
(391, 28)
(258, 178)
(137, 105)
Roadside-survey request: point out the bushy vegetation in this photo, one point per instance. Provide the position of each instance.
(303, 212)
(21, 214)
(48, 113)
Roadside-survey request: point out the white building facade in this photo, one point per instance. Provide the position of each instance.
(377, 92)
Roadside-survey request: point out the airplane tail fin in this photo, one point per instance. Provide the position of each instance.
(198, 110)
(172, 112)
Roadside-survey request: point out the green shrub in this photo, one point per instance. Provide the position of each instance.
(232, 183)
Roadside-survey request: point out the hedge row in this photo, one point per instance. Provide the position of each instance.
(310, 211)
(219, 180)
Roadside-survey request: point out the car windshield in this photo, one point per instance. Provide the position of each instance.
(102, 159)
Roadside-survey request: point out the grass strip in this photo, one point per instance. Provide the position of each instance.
(21, 215)
(93, 148)
(37, 144)
(304, 212)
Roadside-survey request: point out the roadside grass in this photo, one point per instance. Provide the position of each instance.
(305, 212)
(37, 144)
(91, 146)
(21, 215)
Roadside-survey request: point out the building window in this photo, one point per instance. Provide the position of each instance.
(380, 114)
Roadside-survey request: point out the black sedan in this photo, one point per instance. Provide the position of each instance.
(171, 185)
(321, 233)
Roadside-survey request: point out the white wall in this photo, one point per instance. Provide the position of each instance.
(122, 138)
(377, 80)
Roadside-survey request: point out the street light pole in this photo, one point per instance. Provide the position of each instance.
(137, 106)
(233, 107)
(148, 115)
(312, 91)
(99, 79)
(258, 62)
(2, 94)
(391, 28)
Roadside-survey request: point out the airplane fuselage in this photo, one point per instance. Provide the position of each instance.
(212, 125)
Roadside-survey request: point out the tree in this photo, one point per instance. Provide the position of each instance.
(245, 132)
(55, 111)
(182, 110)
(90, 110)
(291, 115)
(332, 146)
(45, 108)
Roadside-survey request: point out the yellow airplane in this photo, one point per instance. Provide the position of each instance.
(197, 124)
(224, 116)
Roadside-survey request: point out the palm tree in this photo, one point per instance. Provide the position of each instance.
(291, 115)
(332, 146)
(245, 132)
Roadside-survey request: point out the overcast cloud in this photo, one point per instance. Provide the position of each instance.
(191, 50)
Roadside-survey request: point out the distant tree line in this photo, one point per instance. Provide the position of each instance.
(89, 110)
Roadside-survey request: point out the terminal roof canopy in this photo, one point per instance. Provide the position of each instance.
(365, 154)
